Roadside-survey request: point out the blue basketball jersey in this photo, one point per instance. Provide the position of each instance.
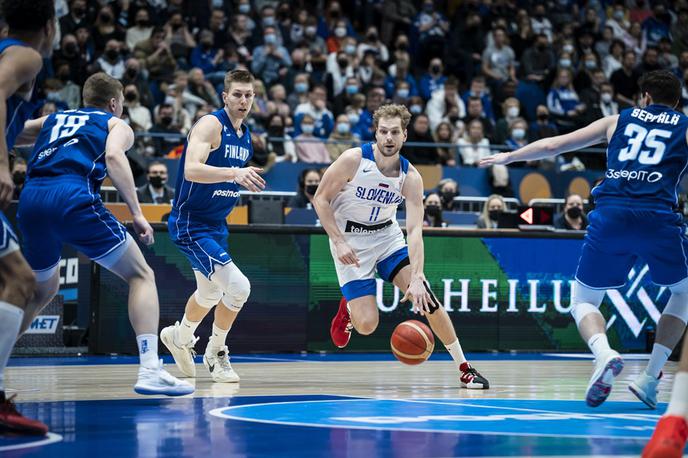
(19, 110)
(213, 202)
(72, 143)
(646, 158)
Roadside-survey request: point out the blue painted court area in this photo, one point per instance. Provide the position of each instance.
(334, 426)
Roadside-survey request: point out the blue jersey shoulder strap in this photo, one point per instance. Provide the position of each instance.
(367, 150)
(404, 163)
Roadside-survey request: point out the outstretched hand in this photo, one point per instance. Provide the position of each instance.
(495, 159)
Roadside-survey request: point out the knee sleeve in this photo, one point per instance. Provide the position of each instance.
(677, 305)
(584, 301)
(207, 293)
(234, 284)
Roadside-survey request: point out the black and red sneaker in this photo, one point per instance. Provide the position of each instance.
(471, 379)
(341, 327)
(669, 438)
(13, 422)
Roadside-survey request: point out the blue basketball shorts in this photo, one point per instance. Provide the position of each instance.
(204, 244)
(618, 236)
(53, 211)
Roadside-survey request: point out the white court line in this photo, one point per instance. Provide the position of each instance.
(220, 413)
(625, 356)
(52, 438)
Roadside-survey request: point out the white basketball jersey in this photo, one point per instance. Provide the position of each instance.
(369, 201)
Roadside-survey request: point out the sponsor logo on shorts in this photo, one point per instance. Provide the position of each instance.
(634, 175)
(46, 153)
(225, 193)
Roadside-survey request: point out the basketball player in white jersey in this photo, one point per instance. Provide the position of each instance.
(356, 202)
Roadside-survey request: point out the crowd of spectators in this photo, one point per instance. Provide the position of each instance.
(478, 76)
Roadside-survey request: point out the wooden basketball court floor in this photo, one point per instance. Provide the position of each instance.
(338, 405)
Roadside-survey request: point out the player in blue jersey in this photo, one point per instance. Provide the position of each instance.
(60, 203)
(635, 217)
(211, 169)
(31, 32)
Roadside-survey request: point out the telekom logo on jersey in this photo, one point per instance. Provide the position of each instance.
(454, 295)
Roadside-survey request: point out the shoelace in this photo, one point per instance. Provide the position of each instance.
(224, 361)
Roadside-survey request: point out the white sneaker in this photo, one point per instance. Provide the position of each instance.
(218, 365)
(607, 367)
(645, 389)
(157, 380)
(184, 353)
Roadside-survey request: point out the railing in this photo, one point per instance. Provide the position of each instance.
(470, 204)
(556, 204)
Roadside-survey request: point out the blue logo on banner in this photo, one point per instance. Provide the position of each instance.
(573, 419)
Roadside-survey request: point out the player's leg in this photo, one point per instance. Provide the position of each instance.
(441, 324)
(671, 432)
(127, 262)
(236, 289)
(670, 328)
(16, 287)
(47, 287)
(180, 338)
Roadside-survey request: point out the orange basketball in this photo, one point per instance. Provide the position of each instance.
(412, 342)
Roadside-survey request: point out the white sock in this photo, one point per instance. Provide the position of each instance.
(678, 405)
(456, 353)
(148, 350)
(217, 339)
(659, 357)
(10, 322)
(599, 344)
(186, 330)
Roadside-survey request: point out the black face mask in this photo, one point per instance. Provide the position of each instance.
(402, 47)
(494, 214)
(18, 177)
(142, 22)
(156, 181)
(433, 210)
(541, 46)
(130, 96)
(206, 45)
(64, 77)
(111, 54)
(79, 12)
(70, 48)
(166, 120)
(574, 212)
(310, 189)
(131, 73)
(275, 131)
(435, 69)
(105, 17)
(448, 196)
(372, 36)
(343, 63)
(542, 117)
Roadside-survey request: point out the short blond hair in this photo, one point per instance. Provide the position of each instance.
(392, 111)
(99, 89)
(238, 76)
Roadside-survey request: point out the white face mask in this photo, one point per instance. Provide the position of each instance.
(606, 97)
(340, 32)
(565, 63)
(513, 112)
(518, 134)
(353, 118)
(568, 48)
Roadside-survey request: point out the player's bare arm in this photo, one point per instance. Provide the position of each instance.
(204, 138)
(120, 139)
(413, 193)
(20, 65)
(597, 132)
(334, 179)
(32, 128)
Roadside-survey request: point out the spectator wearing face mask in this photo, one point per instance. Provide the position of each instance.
(511, 109)
(433, 211)
(316, 108)
(53, 93)
(432, 80)
(573, 218)
(18, 176)
(164, 124)
(419, 131)
(156, 190)
(141, 30)
(270, 60)
(473, 145)
(543, 126)
(448, 189)
(283, 150)
(493, 209)
(351, 87)
(309, 179)
(70, 92)
(310, 148)
(341, 133)
(517, 134)
(77, 17)
(444, 133)
(106, 29)
(373, 44)
(205, 55)
(607, 104)
(111, 61)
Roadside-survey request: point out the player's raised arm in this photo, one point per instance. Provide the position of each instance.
(595, 133)
(19, 67)
(413, 193)
(204, 137)
(334, 179)
(120, 139)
